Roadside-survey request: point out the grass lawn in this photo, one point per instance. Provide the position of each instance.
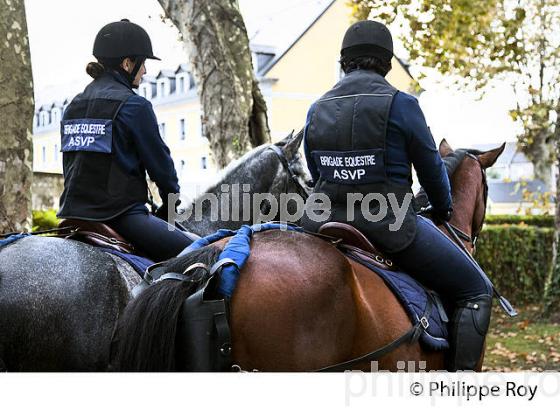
(524, 342)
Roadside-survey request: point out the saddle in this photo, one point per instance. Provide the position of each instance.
(96, 234)
(353, 242)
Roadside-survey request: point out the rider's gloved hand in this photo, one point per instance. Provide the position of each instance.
(163, 211)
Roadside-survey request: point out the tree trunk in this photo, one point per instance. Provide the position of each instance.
(16, 117)
(552, 286)
(234, 112)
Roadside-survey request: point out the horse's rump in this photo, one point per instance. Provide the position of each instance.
(293, 299)
(59, 301)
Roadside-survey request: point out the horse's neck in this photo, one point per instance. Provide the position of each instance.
(250, 170)
(466, 195)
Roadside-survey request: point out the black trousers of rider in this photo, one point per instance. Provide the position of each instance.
(151, 235)
(439, 264)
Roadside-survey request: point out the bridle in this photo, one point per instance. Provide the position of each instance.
(288, 167)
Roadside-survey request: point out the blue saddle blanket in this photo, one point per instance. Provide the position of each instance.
(414, 298)
(138, 263)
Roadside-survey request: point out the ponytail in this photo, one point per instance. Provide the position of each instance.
(95, 69)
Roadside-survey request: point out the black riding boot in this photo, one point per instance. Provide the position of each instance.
(468, 330)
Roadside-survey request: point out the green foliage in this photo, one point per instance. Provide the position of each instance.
(517, 258)
(540, 221)
(44, 220)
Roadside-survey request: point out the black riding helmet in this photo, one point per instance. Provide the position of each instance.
(123, 39)
(367, 38)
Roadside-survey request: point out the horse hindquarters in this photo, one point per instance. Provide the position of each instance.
(59, 301)
(292, 309)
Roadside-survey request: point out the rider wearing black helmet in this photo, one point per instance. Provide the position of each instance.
(364, 120)
(110, 138)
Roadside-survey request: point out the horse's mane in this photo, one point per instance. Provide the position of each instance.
(451, 162)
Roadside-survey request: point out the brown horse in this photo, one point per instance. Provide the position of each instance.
(300, 304)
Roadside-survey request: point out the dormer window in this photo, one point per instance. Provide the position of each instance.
(55, 115)
(146, 90)
(182, 84)
(162, 88)
(43, 119)
(261, 59)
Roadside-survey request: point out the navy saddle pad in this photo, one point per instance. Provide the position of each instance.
(414, 298)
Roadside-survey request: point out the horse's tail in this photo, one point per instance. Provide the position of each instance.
(144, 338)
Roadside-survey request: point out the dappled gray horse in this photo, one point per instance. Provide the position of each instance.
(60, 299)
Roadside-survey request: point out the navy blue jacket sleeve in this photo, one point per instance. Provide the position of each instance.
(424, 155)
(139, 117)
(308, 157)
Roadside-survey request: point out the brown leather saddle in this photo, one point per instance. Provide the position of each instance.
(354, 243)
(96, 234)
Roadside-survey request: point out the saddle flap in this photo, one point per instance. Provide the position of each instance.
(97, 234)
(349, 236)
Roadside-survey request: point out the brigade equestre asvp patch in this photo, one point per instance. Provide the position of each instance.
(93, 135)
(351, 167)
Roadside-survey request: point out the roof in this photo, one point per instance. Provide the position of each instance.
(293, 25)
(166, 73)
(504, 192)
(183, 68)
(148, 79)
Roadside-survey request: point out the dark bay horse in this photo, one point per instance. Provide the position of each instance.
(300, 304)
(60, 299)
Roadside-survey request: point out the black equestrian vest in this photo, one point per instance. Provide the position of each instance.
(95, 185)
(346, 137)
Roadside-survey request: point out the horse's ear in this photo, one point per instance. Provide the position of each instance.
(290, 144)
(488, 158)
(444, 148)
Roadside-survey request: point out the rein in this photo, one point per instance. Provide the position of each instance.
(476, 233)
(457, 235)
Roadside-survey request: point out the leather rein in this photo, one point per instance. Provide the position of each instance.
(456, 233)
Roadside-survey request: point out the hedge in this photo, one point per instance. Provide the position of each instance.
(517, 259)
(542, 221)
